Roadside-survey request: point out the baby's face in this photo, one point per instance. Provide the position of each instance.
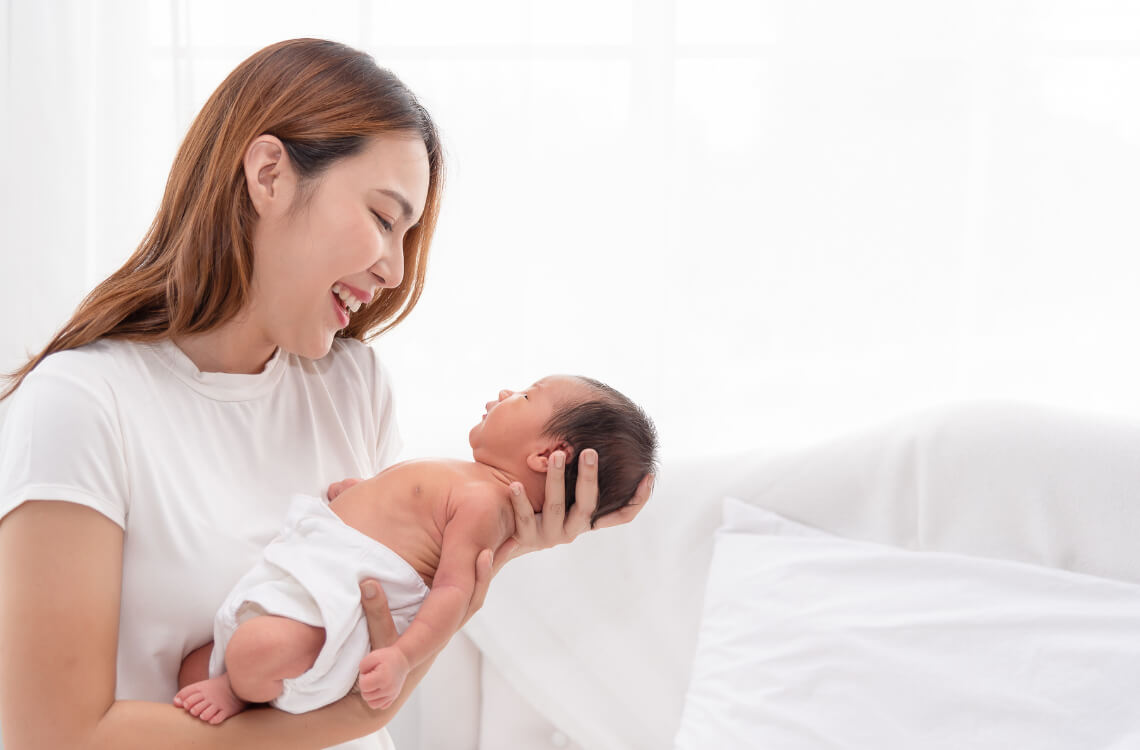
(512, 425)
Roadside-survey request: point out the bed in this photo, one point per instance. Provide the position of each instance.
(965, 577)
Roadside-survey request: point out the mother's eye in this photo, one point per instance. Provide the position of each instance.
(379, 218)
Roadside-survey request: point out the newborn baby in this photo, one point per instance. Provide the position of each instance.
(292, 631)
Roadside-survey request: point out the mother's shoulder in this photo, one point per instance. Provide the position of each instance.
(93, 360)
(87, 376)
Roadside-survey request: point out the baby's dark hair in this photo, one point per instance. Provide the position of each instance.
(622, 434)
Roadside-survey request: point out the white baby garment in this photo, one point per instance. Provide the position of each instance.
(311, 572)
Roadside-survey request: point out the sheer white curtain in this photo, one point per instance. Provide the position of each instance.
(766, 221)
(82, 171)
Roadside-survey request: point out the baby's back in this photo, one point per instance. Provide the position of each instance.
(407, 507)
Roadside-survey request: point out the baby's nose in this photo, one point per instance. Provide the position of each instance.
(504, 394)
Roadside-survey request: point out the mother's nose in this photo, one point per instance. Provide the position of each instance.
(389, 268)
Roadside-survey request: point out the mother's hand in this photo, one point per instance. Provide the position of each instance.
(554, 525)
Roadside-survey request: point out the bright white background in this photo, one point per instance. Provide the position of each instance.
(766, 221)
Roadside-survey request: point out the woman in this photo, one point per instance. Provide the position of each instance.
(219, 371)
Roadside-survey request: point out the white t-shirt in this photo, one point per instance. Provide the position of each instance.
(197, 468)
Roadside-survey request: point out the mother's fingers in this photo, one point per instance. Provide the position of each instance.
(585, 494)
(554, 504)
(484, 570)
(526, 524)
(507, 550)
(381, 627)
(630, 511)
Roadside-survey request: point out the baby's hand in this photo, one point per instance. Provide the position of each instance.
(338, 487)
(382, 675)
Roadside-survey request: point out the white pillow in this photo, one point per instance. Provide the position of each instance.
(814, 641)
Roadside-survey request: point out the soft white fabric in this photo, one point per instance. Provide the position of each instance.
(311, 573)
(600, 635)
(813, 641)
(450, 688)
(196, 467)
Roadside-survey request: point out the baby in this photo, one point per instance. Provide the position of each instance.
(292, 631)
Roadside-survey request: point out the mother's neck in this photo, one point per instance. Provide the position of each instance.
(235, 346)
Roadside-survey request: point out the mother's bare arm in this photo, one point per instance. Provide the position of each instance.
(60, 574)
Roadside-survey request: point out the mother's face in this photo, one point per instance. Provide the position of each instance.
(315, 260)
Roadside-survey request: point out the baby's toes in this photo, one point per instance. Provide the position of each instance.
(192, 699)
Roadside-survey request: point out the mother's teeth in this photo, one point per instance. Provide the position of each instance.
(349, 299)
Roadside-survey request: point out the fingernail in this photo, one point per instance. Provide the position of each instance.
(369, 590)
(516, 489)
(559, 460)
(590, 457)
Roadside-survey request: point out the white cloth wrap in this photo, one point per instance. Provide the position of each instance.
(311, 573)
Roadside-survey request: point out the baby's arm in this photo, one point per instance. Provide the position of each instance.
(475, 526)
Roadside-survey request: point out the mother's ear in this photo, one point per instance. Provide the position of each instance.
(269, 175)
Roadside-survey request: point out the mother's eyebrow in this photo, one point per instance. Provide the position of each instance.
(405, 207)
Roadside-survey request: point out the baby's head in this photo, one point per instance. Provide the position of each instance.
(564, 412)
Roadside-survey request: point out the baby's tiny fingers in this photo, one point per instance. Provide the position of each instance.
(338, 487)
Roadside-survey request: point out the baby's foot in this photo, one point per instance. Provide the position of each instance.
(210, 700)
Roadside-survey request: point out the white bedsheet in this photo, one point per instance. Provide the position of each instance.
(600, 635)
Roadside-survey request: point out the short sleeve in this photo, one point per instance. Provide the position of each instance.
(60, 440)
(389, 443)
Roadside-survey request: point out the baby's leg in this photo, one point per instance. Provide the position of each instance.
(196, 666)
(265, 650)
(262, 652)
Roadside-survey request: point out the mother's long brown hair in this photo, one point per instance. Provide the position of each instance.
(192, 270)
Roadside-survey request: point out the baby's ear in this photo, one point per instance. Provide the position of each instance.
(540, 460)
